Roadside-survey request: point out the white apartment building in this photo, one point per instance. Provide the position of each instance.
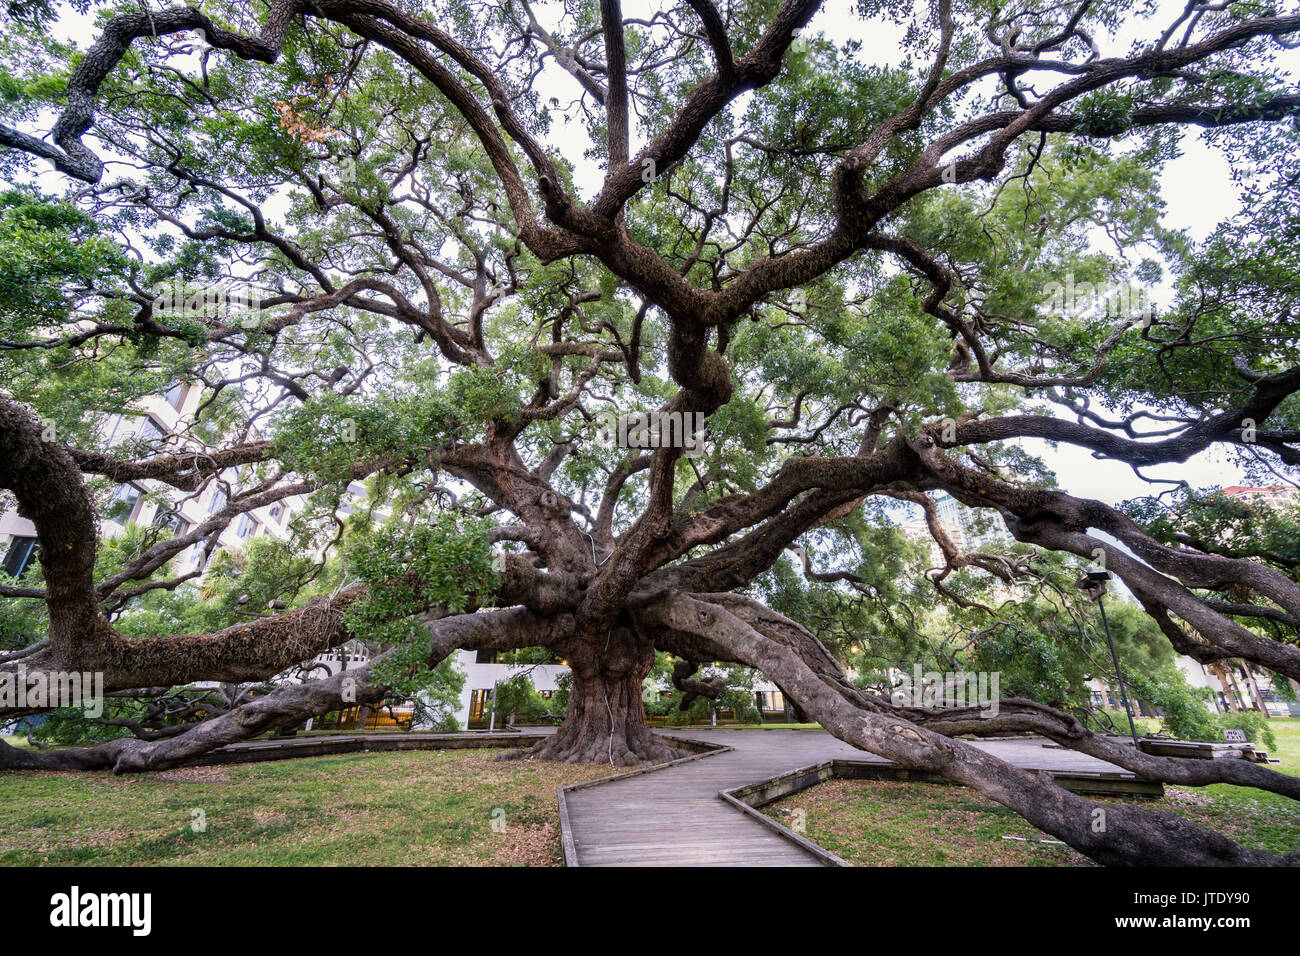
(482, 674)
(1234, 687)
(970, 529)
(483, 670)
(160, 417)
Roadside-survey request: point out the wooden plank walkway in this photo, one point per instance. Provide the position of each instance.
(674, 816)
(285, 748)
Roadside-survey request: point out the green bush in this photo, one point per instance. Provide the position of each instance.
(1187, 710)
(519, 697)
(447, 724)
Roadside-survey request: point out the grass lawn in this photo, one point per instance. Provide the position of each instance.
(886, 823)
(1251, 817)
(415, 808)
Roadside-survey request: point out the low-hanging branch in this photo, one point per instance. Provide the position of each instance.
(446, 318)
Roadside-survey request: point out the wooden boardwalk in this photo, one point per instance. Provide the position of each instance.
(674, 816)
(285, 748)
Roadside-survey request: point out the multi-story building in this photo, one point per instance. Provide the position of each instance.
(1274, 496)
(483, 671)
(158, 418)
(1233, 686)
(970, 529)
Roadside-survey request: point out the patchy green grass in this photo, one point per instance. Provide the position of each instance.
(413, 808)
(1287, 732)
(887, 823)
(1251, 817)
(891, 823)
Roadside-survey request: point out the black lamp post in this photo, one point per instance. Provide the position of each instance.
(1093, 583)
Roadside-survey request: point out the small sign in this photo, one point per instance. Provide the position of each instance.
(1234, 736)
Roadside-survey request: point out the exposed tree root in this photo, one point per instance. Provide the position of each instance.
(625, 750)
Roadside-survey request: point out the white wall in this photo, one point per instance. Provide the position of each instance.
(485, 677)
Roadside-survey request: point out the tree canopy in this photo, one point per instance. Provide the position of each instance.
(634, 324)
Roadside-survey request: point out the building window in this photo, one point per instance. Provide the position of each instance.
(218, 501)
(172, 522)
(22, 551)
(126, 500)
(276, 511)
(247, 527)
(150, 429)
(176, 395)
(480, 704)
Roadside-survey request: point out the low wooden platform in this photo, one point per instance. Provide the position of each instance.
(1203, 750)
(285, 748)
(698, 812)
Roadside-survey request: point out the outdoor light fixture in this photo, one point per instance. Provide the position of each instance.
(1093, 583)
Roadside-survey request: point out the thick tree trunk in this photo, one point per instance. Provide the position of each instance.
(605, 722)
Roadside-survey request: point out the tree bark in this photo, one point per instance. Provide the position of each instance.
(605, 721)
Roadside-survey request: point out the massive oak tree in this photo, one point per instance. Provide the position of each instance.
(480, 228)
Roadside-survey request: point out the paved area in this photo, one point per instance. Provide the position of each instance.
(673, 817)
